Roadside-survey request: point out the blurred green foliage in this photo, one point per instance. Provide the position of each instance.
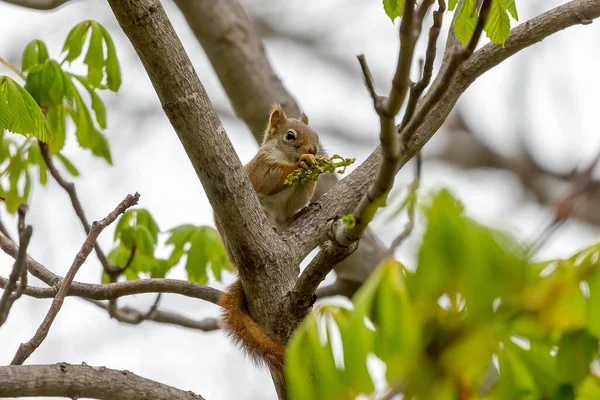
(475, 296)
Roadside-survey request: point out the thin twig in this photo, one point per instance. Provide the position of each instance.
(132, 316)
(578, 186)
(26, 349)
(69, 187)
(12, 68)
(128, 288)
(417, 89)
(363, 214)
(13, 290)
(410, 208)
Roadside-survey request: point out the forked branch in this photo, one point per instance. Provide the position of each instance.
(26, 349)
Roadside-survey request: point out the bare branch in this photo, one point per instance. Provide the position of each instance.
(417, 89)
(253, 242)
(233, 46)
(12, 290)
(311, 228)
(25, 349)
(83, 381)
(115, 290)
(410, 208)
(365, 210)
(69, 187)
(564, 208)
(132, 316)
(37, 4)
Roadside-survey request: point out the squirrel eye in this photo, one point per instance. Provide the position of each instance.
(290, 135)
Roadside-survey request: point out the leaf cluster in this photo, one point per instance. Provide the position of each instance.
(40, 110)
(137, 235)
(474, 296)
(335, 163)
(497, 27)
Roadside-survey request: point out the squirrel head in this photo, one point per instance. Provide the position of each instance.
(291, 137)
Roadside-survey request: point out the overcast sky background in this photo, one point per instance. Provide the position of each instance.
(550, 89)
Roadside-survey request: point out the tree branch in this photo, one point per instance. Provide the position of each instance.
(37, 4)
(310, 228)
(132, 316)
(115, 290)
(69, 187)
(237, 54)
(26, 349)
(12, 291)
(78, 381)
(253, 243)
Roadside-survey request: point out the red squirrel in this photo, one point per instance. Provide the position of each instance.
(288, 144)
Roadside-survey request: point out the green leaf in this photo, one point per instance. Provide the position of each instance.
(511, 7)
(497, 26)
(94, 58)
(299, 363)
(56, 122)
(99, 146)
(593, 306)
(113, 71)
(541, 366)
(465, 21)
(52, 84)
(143, 240)
(122, 223)
(119, 255)
(180, 235)
(128, 237)
(75, 40)
(160, 268)
(68, 165)
(34, 53)
(393, 8)
(575, 354)
(452, 4)
(144, 218)
(19, 113)
(197, 257)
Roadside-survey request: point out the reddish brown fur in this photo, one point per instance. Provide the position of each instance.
(259, 346)
(267, 172)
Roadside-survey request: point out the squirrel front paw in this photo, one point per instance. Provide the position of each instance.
(306, 160)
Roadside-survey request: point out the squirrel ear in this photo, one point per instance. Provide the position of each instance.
(304, 119)
(276, 119)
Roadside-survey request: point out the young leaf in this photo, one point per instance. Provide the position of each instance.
(99, 146)
(75, 40)
(393, 8)
(497, 27)
(34, 53)
(465, 21)
(452, 4)
(113, 71)
(122, 223)
(68, 165)
(197, 258)
(94, 58)
(511, 7)
(52, 85)
(56, 122)
(144, 218)
(19, 113)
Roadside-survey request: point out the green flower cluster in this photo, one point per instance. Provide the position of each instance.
(324, 164)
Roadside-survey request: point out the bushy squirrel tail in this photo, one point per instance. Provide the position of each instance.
(238, 325)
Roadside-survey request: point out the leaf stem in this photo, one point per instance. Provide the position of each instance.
(12, 68)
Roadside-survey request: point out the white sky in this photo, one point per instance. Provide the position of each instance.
(558, 92)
